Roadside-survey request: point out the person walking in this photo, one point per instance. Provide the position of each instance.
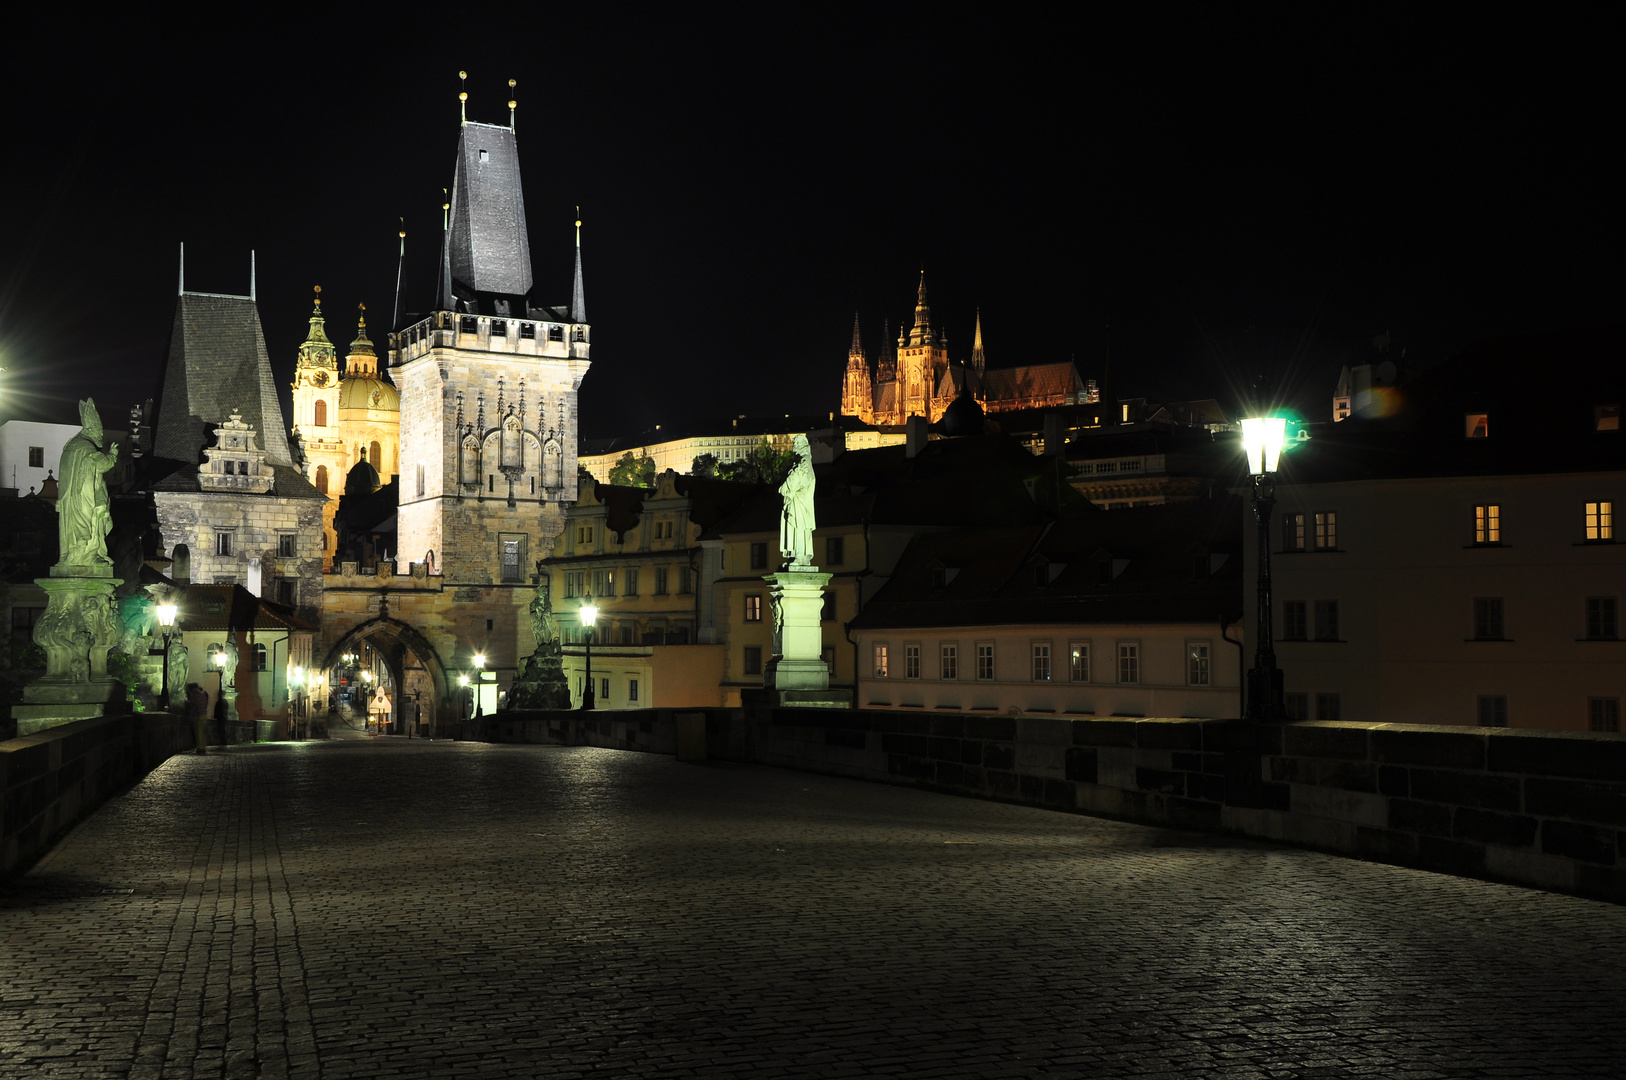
(197, 710)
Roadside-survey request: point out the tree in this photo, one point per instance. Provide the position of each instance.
(629, 471)
(705, 465)
(763, 465)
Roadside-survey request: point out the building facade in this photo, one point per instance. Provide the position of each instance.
(1454, 559)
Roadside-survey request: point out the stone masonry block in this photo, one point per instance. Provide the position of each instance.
(1577, 754)
(1588, 843)
(1420, 817)
(1465, 788)
(1385, 845)
(1080, 764)
(1451, 856)
(1044, 730)
(1169, 734)
(1103, 732)
(1582, 800)
(1446, 749)
(1040, 760)
(1336, 804)
(1347, 775)
(1002, 728)
(1490, 827)
(1117, 768)
(1394, 780)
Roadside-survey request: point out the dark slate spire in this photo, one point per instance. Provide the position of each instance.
(488, 249)
(578, 295)
(217, 366)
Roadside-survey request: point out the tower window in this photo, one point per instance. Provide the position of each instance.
(527, 331)
(321, 414)
(321, 479)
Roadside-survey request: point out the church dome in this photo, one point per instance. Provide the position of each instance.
(361, 387)
(963, 416)
(362, 392)
(362, 479)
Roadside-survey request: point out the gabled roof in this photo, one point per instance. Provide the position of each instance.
(217, 365)
(1030, 381)
(1540, 393)
(1141, 565)
(232, 607)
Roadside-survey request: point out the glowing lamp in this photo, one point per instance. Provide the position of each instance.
(462, 680)
(220, 659)
(166, 615)
(480, 660)
(1262, 439)
(296, 676)
(589, 614)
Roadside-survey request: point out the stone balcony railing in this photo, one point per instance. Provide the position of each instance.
(490, 333)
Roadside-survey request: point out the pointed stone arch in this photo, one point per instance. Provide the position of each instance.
(393, 640)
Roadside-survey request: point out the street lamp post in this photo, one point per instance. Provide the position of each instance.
(589, 614)
(166, 619)
(1262, 440)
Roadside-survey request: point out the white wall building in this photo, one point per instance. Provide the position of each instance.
(30, 451)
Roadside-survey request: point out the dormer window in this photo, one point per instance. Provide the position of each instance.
(1476, 425)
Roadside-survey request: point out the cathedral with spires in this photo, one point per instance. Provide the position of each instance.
(915, 377)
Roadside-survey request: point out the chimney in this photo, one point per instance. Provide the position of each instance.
(914, 434)
(1055, 433)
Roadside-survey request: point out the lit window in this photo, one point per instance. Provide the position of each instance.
(510, 560)
(1197, 663)
(1488, 524)
(1293, 532)
(259, 656)
(1128, 662)
(1078, 661)
(1603, 713)
(1600, 521)
(1476, 425)
(1492, 710)
(1326, 532)
(911, 661)
(753, 608)
(880, 662)
(985, 661)
(1041, 661)
(950, 659)
(1488, 618)
(1607, 417)
(1600, 618)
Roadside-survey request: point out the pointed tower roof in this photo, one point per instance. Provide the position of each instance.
(217, 366)
(922, 333)
(578, 294)
(978, 361)
(857, 350)
(362, 360)
(316, 350)
(488, 249)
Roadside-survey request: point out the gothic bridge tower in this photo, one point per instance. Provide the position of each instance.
(488, 385)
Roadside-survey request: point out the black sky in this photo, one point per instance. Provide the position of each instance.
(1230, 196)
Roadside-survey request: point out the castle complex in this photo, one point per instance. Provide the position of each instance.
(915, 377)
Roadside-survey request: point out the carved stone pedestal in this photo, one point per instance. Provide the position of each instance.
(797, 671)
(76, 631)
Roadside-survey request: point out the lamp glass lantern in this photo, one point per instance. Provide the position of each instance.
(1262, 439)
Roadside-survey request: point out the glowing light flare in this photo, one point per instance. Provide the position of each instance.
(589, 614)
(1262, 439)
(480, 660)
(166, 615)
(462, 680)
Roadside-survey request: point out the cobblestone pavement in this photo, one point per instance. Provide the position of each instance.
(402, 909)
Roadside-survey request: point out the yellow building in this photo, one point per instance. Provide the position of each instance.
(341, 420)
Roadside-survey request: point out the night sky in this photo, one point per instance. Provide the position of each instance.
(1230, 198)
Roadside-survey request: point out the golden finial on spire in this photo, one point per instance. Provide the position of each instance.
(445, 210)
(578, 226)
(463, 95)
(318, 298)
(361, 320)
(512, 105)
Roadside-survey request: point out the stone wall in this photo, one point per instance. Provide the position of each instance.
(255, 522)
(51, 781)
(1546, 809)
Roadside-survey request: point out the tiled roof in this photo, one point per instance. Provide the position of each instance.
(232, 607)
(1541, 394)
(217, 365)
(1142, 565)
(1030, 381)
(489, 248)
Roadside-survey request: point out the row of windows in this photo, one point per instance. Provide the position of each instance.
(835, 552)
(604, 582)
(1602, 622)
(1319, 531)
(1199, 662)
(287, 546)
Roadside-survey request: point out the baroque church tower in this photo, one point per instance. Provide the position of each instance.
(316, 419)
(488, 385)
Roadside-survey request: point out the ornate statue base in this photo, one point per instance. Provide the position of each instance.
(797, 674)
(540, 682)
(76, 631)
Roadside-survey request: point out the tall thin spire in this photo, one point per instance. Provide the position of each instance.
(922, 333)
(251, 274)
(578, 295)
(463, 96)
(978, 360)
(857, 349)
(400, 264)
(182, 287)
(512, 105)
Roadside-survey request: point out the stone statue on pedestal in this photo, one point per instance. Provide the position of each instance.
(540, 681)
(80, 624)
(796, 523)
(84, 517)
